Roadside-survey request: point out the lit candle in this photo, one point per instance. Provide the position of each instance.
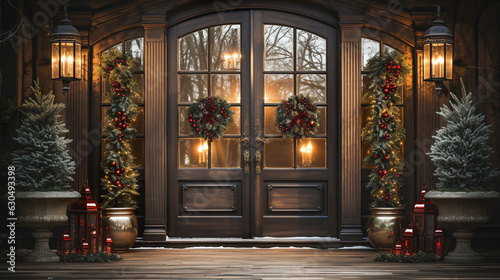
(200, 152)
(234, 60)
(302, 153)
(309, 153)
(226, 61)
(438, 66)
(205, 148)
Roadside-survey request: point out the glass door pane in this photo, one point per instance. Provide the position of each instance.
(199, 75)
(283, 79)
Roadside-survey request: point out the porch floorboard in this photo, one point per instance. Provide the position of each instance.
(240, 263)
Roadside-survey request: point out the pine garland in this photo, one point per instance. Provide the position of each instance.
(119, 185)
(460, 151)
(89, 257)
(418, 258)
(384, 130)
(297, 117)
(209, 117)
(42, 161)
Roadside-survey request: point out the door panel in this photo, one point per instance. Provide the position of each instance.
(252, 182)
(295, 194)
(208, 190)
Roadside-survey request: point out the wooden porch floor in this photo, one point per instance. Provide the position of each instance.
(243, 263)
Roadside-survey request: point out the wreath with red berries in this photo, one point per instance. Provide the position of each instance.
(297, 117)
(209, 117)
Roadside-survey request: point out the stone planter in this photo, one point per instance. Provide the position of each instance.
(463, 211)
(42, 211)
(384, 226)
(122, 225)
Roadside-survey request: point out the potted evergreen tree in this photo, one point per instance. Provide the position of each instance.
(119, 184)
(465, 187)
(43, 169)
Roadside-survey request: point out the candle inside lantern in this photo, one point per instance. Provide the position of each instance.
(438, 64)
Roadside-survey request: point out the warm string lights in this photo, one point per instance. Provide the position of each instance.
(384, 130)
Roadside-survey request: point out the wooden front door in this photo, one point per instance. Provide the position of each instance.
(252, 182)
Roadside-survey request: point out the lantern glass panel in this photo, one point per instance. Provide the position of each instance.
(427, 60)
(67, 60)
(78, 61)
(55, 60)
(438, 61)
(449, 61)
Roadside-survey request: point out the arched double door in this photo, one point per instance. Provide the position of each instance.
(252, 182)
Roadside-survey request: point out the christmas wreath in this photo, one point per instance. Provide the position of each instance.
(209, 117)
(297, 117)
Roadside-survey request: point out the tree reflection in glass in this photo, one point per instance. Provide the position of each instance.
(311, 52)
(225, 47)
(193, 53)
(278, 48)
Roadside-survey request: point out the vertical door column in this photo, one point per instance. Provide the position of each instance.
(350, 130)
(155, 119)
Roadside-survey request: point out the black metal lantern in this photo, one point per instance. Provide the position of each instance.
(66, 52)
(438, 53)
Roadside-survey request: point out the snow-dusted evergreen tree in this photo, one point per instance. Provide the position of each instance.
(460, 151)
(42, 161)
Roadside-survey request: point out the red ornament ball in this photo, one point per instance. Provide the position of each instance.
(113, 163)
(312, 123)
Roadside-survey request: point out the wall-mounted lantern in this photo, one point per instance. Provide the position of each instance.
(66, 52)
(438, 53)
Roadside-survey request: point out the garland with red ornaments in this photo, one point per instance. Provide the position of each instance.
(209, 117)
(119, 184)
(297, 117)
(384, 130)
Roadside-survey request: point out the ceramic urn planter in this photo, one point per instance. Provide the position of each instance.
(42, 211)
(122, 225)
(384, 225)
(463, 211)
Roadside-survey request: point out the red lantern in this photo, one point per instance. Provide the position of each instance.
(107, 242)
(398, 249)
(64, 243)
(85, 247)
(410, 240)
(85, 222)
(424, 216)
(441, 241)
